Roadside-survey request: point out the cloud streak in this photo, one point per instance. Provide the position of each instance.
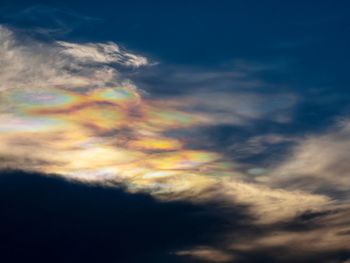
(29, 64)
(317, 163)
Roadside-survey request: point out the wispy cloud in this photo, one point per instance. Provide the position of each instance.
(102, 53)
(45, 20)
(318, 163)
(31, 64)
(236, 108)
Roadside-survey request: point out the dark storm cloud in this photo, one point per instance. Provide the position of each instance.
(47, 219)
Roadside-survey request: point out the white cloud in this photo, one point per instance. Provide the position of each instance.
(329, 236)
(30, 63)
(102, 53)
(318, 163)
(270, 205)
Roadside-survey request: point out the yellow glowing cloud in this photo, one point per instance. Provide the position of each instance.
(155, 144)
(83, 131)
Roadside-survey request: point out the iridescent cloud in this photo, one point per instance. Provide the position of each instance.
(101, 130)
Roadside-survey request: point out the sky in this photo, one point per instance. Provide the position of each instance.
(174, 131)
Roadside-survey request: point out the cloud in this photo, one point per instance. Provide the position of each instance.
(44, 107)
(207, 254)
(27, 63)
(67, 110)
(234, 94)
(102, 53)
(45, 21)
(318, 163)
(242, 76)
(259, 144)
(86, 222)
(269, 205)
(321, 237)
(236, 108)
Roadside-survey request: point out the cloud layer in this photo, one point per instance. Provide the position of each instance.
(67, 110)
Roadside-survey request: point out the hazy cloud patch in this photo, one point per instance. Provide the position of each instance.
(29, 63)
(318, 163)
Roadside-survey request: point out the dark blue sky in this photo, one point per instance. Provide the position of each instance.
(312, 36)
(211, 32)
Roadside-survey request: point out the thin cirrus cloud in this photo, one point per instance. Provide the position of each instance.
(102, 53)
(317, 163)
(244, 95)
(60, 64)
(66, 110)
